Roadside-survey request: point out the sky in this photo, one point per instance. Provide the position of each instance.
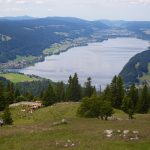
(85, 9)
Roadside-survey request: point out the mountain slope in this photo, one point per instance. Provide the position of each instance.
(136, 68)
(31, 37)
(140, 28)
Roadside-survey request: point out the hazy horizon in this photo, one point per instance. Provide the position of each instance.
(129, 10)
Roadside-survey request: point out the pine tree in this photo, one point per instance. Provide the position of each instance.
(133, 94)
(60, 92)
(144, 102)
(17, 93)
(107, 94)
(2, 98)
(7, 116)
(9, 93)
(120, 91)
(49, 96)
(89, 89)
(117, 92)
(73, 92)
(128, 106)
(76, 88)
(69, 89)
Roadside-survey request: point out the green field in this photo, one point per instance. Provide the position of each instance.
(15, 78)
(37, 132)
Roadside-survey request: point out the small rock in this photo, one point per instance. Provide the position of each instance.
(135, 138)
(118, 131)
(72, 145)
(66, 145)
(135, 132)
(64, 121)
(120, 119)
(112, 118)
(126, 131)
(108, 131)
(57, 143)
(69, 141)
(109, 135)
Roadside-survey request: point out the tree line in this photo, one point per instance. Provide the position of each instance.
(93, 103)
(48, 91)
(131, 100)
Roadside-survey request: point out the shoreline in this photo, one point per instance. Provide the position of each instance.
(23, 63)
(55, 49)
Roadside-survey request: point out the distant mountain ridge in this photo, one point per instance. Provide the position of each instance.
(27, 36)
(17, 18)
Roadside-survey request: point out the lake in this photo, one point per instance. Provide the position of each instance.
(100, 61)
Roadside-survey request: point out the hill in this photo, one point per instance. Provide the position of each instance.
(40, 130)
(141, 29)
(30, 37)
(17, 18)
(137, 69)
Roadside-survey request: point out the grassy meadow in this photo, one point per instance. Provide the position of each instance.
(15, 77)
(37, 131)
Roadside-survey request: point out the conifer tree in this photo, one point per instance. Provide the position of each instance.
(73, 89)
(76, 88)
(49, 96)
(144, 102)
(9, 96)
(133, 94)
(107, 94)
(2, 98)
(69, 89)
(89, 89)
(7, 116)
(117, 92)
(128, 106)
(60, 92)
(17, 93)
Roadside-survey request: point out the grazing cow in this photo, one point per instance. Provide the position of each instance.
(1, 122)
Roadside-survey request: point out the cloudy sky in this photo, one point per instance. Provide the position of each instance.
(86, 9)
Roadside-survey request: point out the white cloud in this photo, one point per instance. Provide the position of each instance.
(9, 1)
(86, 9)
(18, 9)
(39, 2)
(21, 2)
(133, 1)
(49, 9)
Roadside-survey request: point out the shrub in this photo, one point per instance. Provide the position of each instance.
(95, 107)
(7, 116)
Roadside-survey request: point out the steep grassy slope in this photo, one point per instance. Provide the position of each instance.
(35, 131)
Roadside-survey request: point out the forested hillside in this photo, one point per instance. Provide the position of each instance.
(136, 68)
(140, 28)
(26, 36)
(31, 37)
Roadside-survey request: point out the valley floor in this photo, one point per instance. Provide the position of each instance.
(41, 131)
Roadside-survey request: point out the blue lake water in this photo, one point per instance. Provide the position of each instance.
(101, 61)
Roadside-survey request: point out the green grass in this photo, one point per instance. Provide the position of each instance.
(25, 58)
(35, 131)
(15, 78)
